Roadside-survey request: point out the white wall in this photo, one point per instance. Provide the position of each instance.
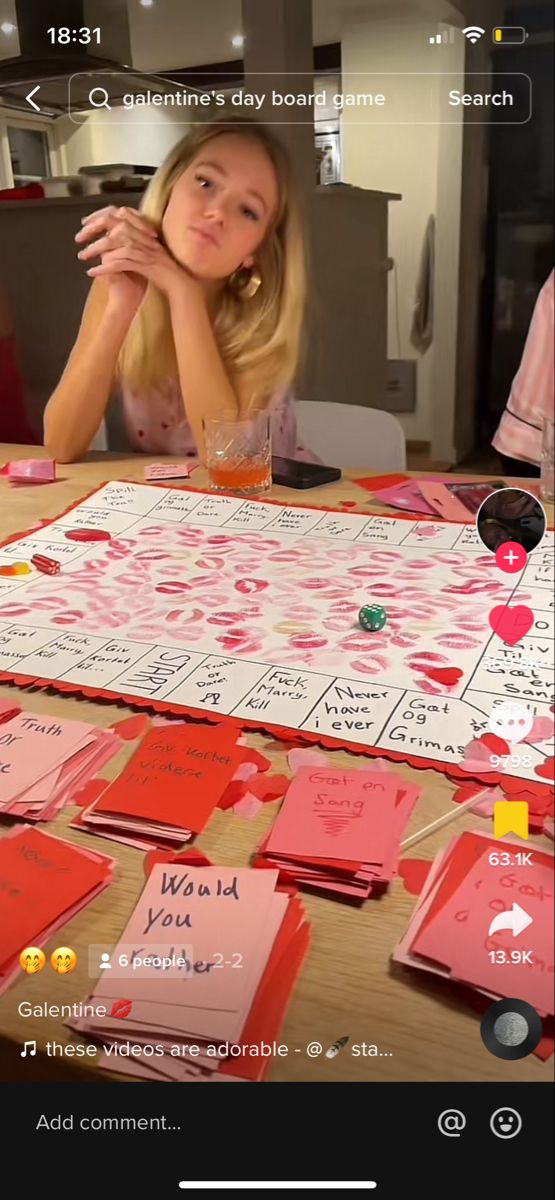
(423, 164)
(118, 136)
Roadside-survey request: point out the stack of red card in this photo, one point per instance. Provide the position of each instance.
(474, 882)
(206, 966)
(45, 882)
(169, 787)
(338, 832)
(44, 760)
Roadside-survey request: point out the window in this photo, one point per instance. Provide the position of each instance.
(28, 149)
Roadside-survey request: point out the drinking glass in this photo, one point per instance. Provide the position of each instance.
(239, 455)
(547, 485)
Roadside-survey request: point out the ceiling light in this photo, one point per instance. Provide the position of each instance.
(8, 27)
(146, 3)
(237, 41)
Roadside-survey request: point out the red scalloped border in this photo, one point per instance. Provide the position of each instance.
(510, 783)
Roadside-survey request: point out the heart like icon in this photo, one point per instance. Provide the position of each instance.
(511, 624)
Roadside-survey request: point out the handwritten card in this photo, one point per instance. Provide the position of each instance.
(43, 880)
(333, 813)
(32, 745)
(174, 779)
(338, 832)
(158, 471)
(464, 892)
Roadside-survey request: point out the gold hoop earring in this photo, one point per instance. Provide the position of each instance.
(245, 282)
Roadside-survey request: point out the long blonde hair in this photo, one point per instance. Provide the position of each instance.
(258, 338)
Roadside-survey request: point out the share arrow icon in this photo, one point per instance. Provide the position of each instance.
(515, 919)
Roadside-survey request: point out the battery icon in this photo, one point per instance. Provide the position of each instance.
(509, 35)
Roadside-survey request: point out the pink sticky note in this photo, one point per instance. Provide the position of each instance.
(157, 471)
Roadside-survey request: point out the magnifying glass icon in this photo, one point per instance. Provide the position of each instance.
(103, 101)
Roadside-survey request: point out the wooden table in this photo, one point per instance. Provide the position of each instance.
(348, 985)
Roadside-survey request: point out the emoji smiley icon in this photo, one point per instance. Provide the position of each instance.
(31, 960)
(63, 960)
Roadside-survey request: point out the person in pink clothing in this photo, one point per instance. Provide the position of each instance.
(197, 303)
(518, 438)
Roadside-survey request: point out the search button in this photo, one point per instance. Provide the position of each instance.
(103, 102)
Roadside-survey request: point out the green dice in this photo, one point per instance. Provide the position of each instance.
(372, 617)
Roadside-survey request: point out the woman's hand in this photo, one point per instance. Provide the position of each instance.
(130, 251)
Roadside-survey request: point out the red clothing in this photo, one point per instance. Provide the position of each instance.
(14, 426)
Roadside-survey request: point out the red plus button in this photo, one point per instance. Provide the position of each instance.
(511, 557)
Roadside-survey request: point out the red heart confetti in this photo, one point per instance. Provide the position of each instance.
(89, 792)
(546, 770)
(268, 787)
(414, 873)
(447, 675)
(131, 728)
(194, 858)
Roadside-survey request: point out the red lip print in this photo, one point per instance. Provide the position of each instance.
(226, 618)
(457, 641)
(173, 587)
(121, 1008)
(249, 586)
(308, 641)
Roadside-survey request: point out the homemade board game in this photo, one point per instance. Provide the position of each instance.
(212, 605)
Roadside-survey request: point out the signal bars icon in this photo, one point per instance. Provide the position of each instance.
(444, 38)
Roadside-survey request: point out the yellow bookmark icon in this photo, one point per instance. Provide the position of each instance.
(510, 816)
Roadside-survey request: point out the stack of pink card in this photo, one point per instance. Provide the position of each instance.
(32, 470)
(435, 496)
(467, 889)
(232, 944)
(44, 760)
(338, 832)
(45, 882)
(169, 787)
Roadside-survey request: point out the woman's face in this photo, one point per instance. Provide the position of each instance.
(221, 207)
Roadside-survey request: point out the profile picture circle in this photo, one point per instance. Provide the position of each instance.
(511, 515)
(511, 1029)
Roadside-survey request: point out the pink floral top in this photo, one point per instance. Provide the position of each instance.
(156, 423)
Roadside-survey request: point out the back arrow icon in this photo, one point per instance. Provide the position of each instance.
(30, 101)
(514, 918)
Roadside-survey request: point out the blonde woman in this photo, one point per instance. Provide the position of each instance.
(197, 304)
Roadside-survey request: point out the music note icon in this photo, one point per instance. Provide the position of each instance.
(33, 1049)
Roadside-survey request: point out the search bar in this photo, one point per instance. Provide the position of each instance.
(186, 1183)
(367, 98)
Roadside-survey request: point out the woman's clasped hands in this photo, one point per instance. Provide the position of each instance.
(130, 251)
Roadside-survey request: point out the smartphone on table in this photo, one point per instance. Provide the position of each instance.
(289, 472)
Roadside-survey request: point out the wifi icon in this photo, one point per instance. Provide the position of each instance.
(473, 33)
